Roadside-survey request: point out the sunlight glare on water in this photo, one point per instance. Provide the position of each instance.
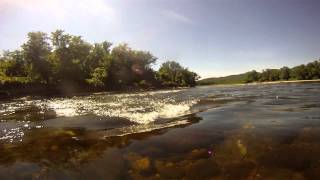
(140, 108)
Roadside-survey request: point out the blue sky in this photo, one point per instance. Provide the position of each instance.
(211, 37)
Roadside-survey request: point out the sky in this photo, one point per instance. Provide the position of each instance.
(211, 37)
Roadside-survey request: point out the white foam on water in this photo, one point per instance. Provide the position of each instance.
(63, 108)
(142, 108)
(139, 109)
(164, 91)
(161, 110)
(152, 93)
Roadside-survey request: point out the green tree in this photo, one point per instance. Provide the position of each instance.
(98, 64)
(270, 75)
(313, 69)
(284, 73)
(99, 56)
(252, 76)
(71, 62)
(130, 66)
(36, 52)
(265, 75)
(98, 77)
(274, 75)
(69, 56)
(172, 73)
(13, 64)
(299, 72)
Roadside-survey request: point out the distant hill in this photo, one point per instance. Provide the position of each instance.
(233, 79)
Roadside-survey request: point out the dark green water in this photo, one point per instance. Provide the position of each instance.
(225, 132)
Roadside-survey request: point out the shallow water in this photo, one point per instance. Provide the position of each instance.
(219, 132)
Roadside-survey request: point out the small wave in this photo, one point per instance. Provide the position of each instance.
(136, 109)
(161, 110)
(148, 93)
(140, 128)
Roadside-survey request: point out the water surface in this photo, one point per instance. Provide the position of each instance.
(226, 132)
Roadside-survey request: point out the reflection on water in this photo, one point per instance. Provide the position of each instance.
(228, 132)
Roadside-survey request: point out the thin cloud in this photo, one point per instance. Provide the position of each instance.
(177, 16)
(96, 7)
(62, 9)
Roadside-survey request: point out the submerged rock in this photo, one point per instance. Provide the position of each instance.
(139, 163)
(202, 169)
(142, 164)
(200, 154)
(169, 170)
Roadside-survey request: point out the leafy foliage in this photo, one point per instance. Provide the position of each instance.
(302, 72)
(64, 59)
(252, 76)
(284, 73)
(35, 53)
(172, 73)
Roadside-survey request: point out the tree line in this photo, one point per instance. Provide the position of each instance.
(64, 59)
(302, 72)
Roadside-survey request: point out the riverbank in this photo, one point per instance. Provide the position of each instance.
(290, 81)
(65, 91)
(7, 93)
(262, 83)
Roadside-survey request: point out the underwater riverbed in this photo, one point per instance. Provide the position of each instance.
(209, 132)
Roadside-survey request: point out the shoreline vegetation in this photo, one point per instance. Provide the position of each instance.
(268, 82)
(301, 73)
(64, 64)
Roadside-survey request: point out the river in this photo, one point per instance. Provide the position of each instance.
(227, 132)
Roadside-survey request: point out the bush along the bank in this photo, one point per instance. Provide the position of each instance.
(303, 72)
(63, 60)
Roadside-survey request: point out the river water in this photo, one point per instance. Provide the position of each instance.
(227, 132)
